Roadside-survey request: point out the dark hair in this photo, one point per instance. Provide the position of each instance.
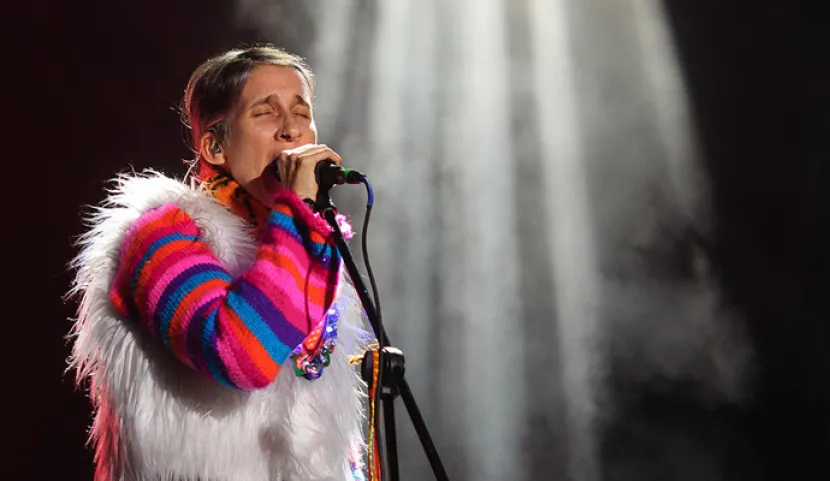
(215, 86)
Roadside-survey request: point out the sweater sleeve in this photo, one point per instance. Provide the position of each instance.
(240, 331)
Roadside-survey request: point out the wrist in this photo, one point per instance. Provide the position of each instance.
(304, 192)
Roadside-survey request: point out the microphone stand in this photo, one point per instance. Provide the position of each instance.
(392, 382)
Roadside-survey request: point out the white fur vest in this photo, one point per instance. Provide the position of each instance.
(158, 420)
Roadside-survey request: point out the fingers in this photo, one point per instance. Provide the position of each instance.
(315, 153)
(296, 167)
(285, 168)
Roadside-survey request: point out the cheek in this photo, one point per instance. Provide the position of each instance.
(248, 162)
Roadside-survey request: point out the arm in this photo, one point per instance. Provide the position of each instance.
(237, 331)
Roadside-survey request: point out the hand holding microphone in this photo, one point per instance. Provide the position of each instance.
(296, 168)
(305, 168)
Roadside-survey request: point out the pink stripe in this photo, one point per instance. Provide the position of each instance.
(155, 228)
(149, 239)
(288, 301)
(129, 258)
(245, 361)
(298, 253)
(286, 298)
(162, 264)
(147, 219)
(235, 374)
(155, 268)
(282, 239)
(174, 265)
(285, 252)
(231, 352)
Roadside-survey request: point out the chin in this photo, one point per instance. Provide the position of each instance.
(263, 196)
(264, 189)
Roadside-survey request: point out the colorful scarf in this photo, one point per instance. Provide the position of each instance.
(225, 189)
(228, 191)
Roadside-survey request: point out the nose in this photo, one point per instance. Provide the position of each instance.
(290, 131)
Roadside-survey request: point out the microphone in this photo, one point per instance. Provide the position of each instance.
(327, 173)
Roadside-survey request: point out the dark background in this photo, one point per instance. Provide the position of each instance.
(93, 88)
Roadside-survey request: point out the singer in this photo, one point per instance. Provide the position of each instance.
(215, 325)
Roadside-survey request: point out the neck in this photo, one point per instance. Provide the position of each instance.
(225, 189)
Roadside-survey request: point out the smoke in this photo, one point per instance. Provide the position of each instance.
(667, 322)
(674, 354)
(290, 25)
(666, 317)
(540, 227)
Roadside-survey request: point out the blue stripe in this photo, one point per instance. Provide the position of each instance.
(155, 246)
(211, 355)
(286, 224)
(299, 232)
(273, 346)
(182, 285)
(269, 313)
(330, 255)
(195, 330)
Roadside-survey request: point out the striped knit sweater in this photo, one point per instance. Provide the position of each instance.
(236, 331)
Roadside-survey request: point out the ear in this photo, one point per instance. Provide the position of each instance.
(210, 150)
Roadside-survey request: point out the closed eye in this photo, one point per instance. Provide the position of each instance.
(263, 110)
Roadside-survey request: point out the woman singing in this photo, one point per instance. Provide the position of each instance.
(214, 324)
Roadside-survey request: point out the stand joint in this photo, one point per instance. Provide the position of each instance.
(393, 368)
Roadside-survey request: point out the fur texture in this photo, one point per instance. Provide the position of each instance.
(155, 419)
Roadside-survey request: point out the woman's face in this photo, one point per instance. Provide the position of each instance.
(273, 113)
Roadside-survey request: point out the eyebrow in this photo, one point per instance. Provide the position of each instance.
(267, 99)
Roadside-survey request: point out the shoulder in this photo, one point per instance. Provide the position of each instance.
(138, 196)
(131, 197)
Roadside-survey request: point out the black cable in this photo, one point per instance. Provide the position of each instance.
(378, 328)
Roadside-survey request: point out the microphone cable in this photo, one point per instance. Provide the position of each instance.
(376, 467)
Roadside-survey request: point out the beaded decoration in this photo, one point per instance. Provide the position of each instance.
(314, 354)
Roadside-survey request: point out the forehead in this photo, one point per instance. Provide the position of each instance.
(284, 82)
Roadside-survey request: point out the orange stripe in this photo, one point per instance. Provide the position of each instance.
(285, 209)
(119, 302)
(272, 256)
(168, 219)
(176, 246)
(148, 270)
(251, 345)
(141, 244)
(317, 238)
